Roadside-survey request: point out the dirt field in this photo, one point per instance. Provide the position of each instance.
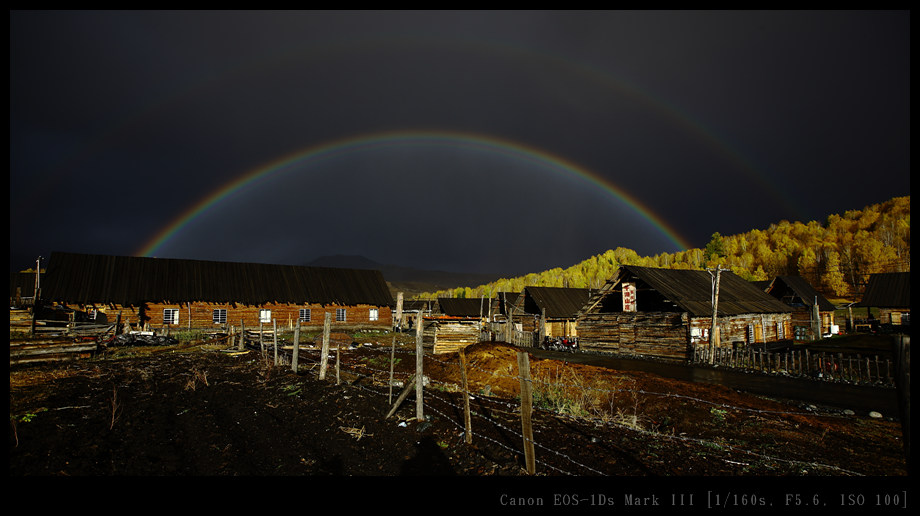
(204, 410)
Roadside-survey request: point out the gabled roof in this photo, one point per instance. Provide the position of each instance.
(25, 282)
(888, 290)
(463, 307)
(797, 290)
(691, 291)
(130, 281)
(559, 302)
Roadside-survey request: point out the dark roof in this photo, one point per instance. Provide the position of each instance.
(691, 291)
(888, 290)
(25, 282)
(128, 280)
(559, 302)
(796, 290)
(415, 305)
(463, 307)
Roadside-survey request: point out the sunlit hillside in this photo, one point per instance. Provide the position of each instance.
(836, 255)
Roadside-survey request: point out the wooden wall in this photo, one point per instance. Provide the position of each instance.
(199, 315)
(657, 334)
(744, 329)
(670, 334)
(450, 336)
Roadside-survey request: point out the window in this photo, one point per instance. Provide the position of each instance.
(340, 315)
(305, 315)
(170, 316)
(265, 315)
(374, 314)
(220, 316)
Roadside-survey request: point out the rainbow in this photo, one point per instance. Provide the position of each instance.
(336, 148)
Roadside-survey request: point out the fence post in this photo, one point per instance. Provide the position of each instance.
(466, 397)
(324, 354)
(902, 381)
(526, 410)
(392, 356)
(296, 352)
(242, 335)
(419, 378)
(275, 338)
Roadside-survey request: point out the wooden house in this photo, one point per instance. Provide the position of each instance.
(812, 313)
(550, 311)
(457, 324)
(193, 294)
(890, 294)
(666, 312)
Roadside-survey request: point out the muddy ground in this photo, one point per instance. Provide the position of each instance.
(206, 409)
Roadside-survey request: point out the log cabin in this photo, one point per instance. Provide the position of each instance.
(812, 313)
(890, 293)
(552, 308)
(457, 323)
(206, 295)
(664, 313)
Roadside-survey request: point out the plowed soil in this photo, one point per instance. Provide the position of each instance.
(209, 410)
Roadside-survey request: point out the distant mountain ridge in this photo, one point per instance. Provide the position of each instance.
(406, 279)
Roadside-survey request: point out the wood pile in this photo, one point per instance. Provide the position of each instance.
(50, 350)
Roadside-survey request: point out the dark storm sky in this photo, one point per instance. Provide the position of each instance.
(501, 142)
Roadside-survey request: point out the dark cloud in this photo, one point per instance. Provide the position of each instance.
(121, 122)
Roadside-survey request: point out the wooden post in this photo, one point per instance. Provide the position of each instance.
(419, 378)
(542, 335)
(242, 335)
(526, 410)
(392, 356)
(466, 397)
(399, 310)
(338, 354)
(324, 354)
(296, 352)
(262, 338)
(275, 338)
(402, 396)
(714, 332)
(902, 382)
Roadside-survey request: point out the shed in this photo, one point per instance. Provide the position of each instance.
(558, 305)
(809, 307)
(196, 294)
(666, 312)
(457, 323)
(890, 293)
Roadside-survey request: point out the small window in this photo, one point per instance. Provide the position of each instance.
(374, 314)
(265, 315)
(340, 314)
(170, 316)
(305, 315)
(220, 316)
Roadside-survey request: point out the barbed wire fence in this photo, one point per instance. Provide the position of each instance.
(491, 415)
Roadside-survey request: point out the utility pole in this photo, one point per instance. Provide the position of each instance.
(714, 330)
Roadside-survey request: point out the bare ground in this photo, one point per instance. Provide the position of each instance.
(204, 410)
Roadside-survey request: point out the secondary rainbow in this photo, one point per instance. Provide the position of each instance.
(317, 153)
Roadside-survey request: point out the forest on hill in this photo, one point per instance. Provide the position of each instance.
(836, 256)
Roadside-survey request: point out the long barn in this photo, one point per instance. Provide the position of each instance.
(666, 312)
(196, 294)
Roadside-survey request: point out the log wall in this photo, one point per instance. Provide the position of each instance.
(454, 335)
(658, 334)
(199, 315)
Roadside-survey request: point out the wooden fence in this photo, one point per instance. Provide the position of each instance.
(823, 365)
